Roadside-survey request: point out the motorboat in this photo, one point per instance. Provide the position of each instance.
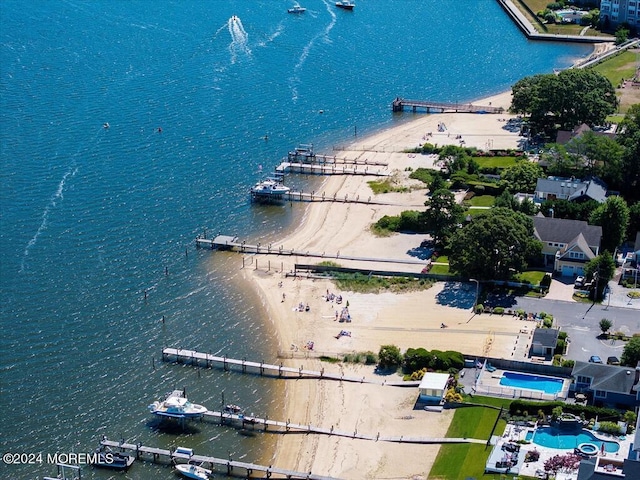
(232, 409)
(297, 9)
(113, 460)
(176, 405)
(302, 153)
(270, 187)
(193, 471)
(345, 4)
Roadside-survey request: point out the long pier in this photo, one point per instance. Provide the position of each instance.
(330, 169)
(293, 196)
(154, 454)
(228, 242)
(195, 358)
(399, 104)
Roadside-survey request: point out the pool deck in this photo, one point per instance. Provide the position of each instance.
(489, 383)
(514, 433)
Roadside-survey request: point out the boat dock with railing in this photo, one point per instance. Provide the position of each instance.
(399, 104)
(156, 455)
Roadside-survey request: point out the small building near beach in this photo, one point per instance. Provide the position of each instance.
(433, 387)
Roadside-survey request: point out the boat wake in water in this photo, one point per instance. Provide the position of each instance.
(239, 38)
(45, 214)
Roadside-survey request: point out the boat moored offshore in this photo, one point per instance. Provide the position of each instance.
(176, 405)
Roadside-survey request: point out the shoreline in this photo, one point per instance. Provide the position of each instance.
(407, 319)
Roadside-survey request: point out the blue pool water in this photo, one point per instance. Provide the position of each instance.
(548, 385)
(554, 438)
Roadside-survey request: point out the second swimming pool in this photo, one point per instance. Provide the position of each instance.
(554, 438)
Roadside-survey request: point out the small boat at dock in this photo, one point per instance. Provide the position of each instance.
(113, 460)
(176, 405)
(193, 471)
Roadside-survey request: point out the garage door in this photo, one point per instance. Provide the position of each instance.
(567, 270)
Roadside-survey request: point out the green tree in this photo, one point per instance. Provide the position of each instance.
(572, 97)
(629, 138)
(634, 221)
(631, 353)
(522, 177)
(603, 156)
(613, 217)
(605, 325)
(454, 158)
(599, 271)
(494, 245)
(506, 200)
(442, 215)
(622, 35)
(389, 357)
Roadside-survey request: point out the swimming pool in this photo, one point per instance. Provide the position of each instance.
(550, 385)
(551, 437)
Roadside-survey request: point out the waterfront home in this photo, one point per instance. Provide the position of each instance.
(567, 245)
(571, 189)
(607, 385)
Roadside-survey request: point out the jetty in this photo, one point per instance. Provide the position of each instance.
(228, 242)
(295, 196)
(399, 104)
(185, 455)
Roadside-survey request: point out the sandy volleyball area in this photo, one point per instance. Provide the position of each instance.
(407, 320)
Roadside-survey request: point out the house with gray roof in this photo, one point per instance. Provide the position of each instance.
(571, 189)
(544, 342)
(607, 385)
(567, 245)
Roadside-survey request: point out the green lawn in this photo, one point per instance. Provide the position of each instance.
(481, 201)
(476, 211)
(440, 269)
(458, 462)
(533, 277)
(619, 67)
(499, 162)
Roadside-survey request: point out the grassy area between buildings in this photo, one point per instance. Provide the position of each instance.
(461, 461)
(497, 162)
(533, 277)
(481, 201)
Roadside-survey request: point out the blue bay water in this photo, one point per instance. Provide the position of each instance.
(93, 219)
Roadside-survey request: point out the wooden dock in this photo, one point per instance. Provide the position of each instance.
(293, 196)
(228, 242)
(153, 454)
(201, 359)
(314, 168)
(399, 104)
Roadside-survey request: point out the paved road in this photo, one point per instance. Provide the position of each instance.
(581, 322)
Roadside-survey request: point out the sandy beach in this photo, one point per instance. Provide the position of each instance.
(406, 320)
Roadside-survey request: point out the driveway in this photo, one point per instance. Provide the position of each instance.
(561, 289)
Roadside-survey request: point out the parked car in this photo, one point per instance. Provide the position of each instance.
(613, 361)
(595, 359)
(579, 281)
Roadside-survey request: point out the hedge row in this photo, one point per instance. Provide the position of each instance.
(418, 358)
(519, 406)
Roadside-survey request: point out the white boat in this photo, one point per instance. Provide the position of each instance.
(345, 4)
(270, 187)
(106, 458)
(176, 405)
(193, 471)
(297, 9)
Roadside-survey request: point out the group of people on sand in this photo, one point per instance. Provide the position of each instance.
(330, 297)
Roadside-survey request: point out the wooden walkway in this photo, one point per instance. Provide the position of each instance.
(399, 104)
(331, 169)
(195, 358)
(284, 427)
(228, 242)
(316, 197)
(153, 454)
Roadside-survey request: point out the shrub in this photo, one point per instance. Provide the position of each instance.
(498, 310)
(479, 308)
(610, 427)
(547, 323)
(389, 356)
